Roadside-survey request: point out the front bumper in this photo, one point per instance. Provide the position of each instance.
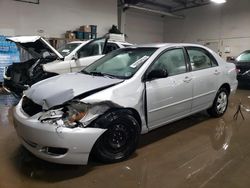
(37, 137)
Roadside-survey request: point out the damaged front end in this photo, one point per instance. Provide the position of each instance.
(35, 53)
(20, 76)
(74, 114)
(61, 134)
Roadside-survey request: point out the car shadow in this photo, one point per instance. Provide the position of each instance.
(172, 128)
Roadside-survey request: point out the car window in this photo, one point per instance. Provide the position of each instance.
(93, 48)
(173, 61)
(110, 47)
(122, 63)
(245, 57)
(200, 58)
(66, 49)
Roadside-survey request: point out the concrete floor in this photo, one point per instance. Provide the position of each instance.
(195, 152)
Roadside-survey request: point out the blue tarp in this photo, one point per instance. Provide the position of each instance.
(9, 53)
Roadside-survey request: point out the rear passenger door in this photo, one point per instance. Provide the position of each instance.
(206, 77)
(88, 54)
(169, 98)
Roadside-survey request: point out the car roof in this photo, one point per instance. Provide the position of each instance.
(79, 41)
(161, 45)
(112, 41)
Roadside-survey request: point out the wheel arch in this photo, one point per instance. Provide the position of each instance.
(130, 111)
(227, 87)
(112, 112)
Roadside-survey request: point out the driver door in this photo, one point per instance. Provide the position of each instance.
(169, 98)
(88, 54)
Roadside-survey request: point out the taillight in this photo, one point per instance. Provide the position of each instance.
(237, 70)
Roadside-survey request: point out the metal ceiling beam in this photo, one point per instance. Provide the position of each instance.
(152, 3)
(126, 6)
(181, 2)
(27, 1)
(195, 5)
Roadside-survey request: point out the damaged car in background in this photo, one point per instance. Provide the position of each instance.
(104, 108)
(45, 61)
(242, 63)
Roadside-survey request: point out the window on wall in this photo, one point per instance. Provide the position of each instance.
(200, 58)
(173, 61)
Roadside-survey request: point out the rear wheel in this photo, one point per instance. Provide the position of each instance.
(121, 138)
(220, 103)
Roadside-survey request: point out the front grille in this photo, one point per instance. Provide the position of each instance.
(29, 107)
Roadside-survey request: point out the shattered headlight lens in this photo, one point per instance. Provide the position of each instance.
(68, 116)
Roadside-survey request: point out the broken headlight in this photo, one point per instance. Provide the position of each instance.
(68, 116)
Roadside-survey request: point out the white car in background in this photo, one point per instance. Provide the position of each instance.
(44, 61)
(79, 54)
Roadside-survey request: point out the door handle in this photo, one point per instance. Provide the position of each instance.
(187, 79)
(216, 72)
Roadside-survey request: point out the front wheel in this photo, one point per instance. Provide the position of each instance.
(220, 103)
(121, 138)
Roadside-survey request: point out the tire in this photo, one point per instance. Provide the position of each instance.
(220, 103)
(121, 138)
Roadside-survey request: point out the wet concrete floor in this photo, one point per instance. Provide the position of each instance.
(197, 151)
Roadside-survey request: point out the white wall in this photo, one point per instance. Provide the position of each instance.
(55, 17)
(143, 27)
(218, 26)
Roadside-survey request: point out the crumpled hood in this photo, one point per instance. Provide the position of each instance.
(35, 45)
(57, 90)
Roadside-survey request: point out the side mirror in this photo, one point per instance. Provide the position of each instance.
(75, 56)
(158, 73)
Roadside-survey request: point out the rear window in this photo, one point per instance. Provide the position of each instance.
(244, 57)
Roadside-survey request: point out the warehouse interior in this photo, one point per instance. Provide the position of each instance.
(197, 151)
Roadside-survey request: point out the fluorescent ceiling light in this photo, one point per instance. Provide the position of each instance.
(219, 1)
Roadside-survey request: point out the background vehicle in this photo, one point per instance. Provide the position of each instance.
(46, 62)
(242, 63)
(130, 91)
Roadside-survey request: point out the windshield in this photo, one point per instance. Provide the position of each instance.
(122, 63)
(244, 57)
(68, 48)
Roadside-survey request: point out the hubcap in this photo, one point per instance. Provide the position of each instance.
(118, 137)
(222, 102)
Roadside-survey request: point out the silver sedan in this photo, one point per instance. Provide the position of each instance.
(104, 108)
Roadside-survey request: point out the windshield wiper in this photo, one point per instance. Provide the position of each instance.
(84, 72)
(102, 74)
(93, 73)
(96, 73)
